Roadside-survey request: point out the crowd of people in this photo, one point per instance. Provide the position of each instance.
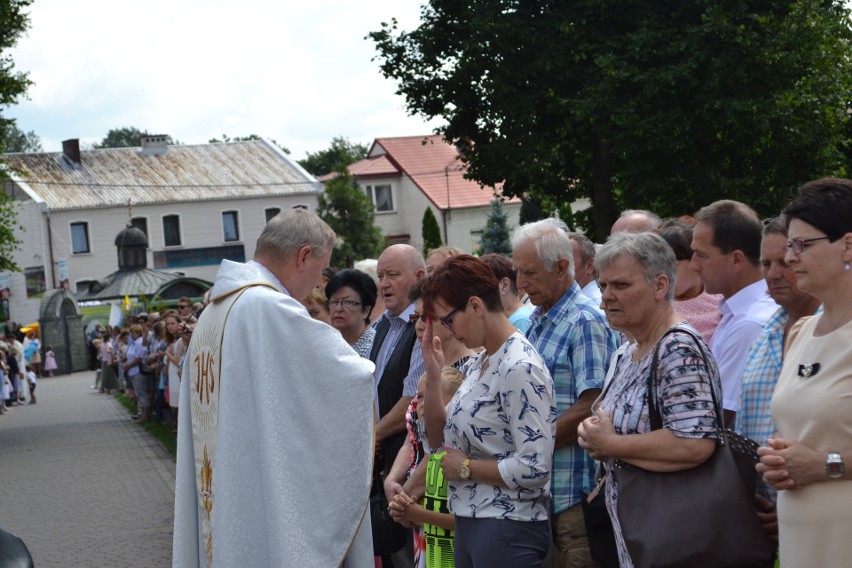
(479, 401)
(21, 366)
(144, 359)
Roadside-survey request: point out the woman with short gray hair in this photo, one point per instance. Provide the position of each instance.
(637, 276)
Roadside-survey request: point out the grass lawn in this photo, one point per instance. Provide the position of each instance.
(162, 432)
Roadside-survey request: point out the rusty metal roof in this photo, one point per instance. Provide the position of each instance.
(111, 177)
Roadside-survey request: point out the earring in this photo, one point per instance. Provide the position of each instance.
(847, 266)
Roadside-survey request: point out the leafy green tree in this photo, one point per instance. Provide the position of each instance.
(226, 138)
(334, 159)
(532, 209)
(124, 137)
(431, 232)
(14, 21)
(662, 105)
(16, 140)
(127, 137)
(349, 212)
(495, 237)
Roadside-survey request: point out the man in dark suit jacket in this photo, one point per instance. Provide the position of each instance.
(399, 361)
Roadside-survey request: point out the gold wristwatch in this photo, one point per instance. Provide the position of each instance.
(464, 469)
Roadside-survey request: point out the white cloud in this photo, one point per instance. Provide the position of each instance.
(197, 69)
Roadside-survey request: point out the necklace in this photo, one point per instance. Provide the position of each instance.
(841, 318)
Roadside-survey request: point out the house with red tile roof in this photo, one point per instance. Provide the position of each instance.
(406, 175)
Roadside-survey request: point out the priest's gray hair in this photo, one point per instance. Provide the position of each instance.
(551, 242)
(649, 249)
(290, 230)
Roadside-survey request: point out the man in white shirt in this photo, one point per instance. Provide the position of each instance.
(726, 254)
(584, 266)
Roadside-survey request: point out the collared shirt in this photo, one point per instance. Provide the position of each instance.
(576, 344)
(593, 292)
(416, 367)
(505, 413)
(743, 316)
(135, 350)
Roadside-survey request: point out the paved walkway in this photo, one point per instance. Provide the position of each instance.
(80, 484)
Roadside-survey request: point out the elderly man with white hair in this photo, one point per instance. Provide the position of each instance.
(576, 343)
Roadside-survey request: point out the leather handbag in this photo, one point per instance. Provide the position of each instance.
(701, 517)
(599, 526)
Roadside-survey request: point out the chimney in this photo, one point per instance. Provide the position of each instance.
(155, 145)
(71, 151)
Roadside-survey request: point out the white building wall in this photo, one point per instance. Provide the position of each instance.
(200, 226)
(465, 225)
(410, 203)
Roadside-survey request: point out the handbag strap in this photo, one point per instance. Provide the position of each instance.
(654, 416)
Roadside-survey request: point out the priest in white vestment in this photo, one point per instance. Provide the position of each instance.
(275, 438)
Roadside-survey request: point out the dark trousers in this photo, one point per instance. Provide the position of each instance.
(501, 542)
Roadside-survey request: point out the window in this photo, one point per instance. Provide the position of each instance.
(381, 196)
(141, 223)
(171, 230)
(272, 212)
(80, 238)
(230, 226)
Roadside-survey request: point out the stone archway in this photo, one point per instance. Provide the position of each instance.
(61, 328)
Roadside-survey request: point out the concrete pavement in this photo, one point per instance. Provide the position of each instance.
(80, 484)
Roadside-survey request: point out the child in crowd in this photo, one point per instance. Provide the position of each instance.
(434, 515)
(31, 380)
(49, 361)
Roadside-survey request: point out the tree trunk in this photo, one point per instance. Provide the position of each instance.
(603, 203)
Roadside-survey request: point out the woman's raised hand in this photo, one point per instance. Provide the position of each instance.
(433, 354)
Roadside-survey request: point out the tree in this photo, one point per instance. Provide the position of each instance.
(334, 159)
(495, 237)
(16, 140)
(349, 212)
(226, 138)
(127, 137)
(431, 232)
(634, 104)
(14, 21)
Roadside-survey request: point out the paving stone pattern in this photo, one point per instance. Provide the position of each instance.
(80, 484)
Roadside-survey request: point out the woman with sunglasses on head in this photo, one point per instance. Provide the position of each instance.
(351, 296)
(809, 460)
(498, 428)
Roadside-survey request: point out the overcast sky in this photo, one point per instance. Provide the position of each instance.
(296, 72)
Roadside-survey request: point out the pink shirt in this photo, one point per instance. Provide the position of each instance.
(702, 313)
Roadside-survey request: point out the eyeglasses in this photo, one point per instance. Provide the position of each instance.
(447, 320)
(415, 317)
(345, 303)
(797, 246)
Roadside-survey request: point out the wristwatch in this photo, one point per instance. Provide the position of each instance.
(464, 469)
(834, 466)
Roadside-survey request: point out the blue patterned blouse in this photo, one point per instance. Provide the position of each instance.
(506, 413)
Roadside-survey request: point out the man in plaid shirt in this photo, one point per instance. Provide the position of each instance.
(765, 358)
(573, 338)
